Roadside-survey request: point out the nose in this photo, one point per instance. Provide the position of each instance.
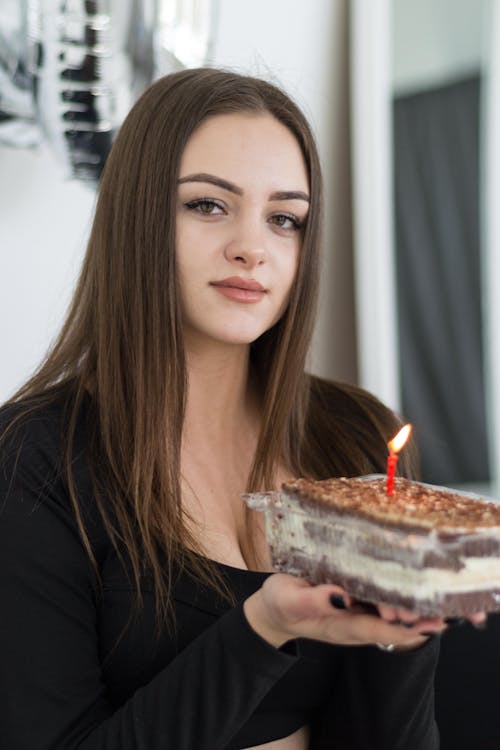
(246, 246)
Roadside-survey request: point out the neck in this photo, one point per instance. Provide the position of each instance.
(219, 399)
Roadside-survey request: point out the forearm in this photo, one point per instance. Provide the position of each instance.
(386, 702)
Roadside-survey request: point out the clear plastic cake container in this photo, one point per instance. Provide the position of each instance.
(434, 573)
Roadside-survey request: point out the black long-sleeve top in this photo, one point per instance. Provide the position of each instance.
(81, 670)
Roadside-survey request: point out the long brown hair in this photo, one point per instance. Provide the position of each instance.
(122, 340)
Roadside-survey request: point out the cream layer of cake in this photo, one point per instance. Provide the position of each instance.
(424, 548)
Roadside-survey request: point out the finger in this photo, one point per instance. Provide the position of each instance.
(407, 616)
(319, 601)
(430, 625)
(388, 613)
(410, 619)
(477, 618)
(339, 599)
(296, 598)
(398, 615)
(406, 633)
(422, 625)
(369, 629)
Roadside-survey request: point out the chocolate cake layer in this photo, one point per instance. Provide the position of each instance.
(457, 604)
(424, 548)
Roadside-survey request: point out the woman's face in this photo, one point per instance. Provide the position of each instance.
(242, 201)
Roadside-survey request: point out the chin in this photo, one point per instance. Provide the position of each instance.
(239, 339)
(238, 335)
(236, 331)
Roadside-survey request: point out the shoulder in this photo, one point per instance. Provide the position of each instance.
(34, 428)
(349, 428)
(34, 456)
(28, 433)
(334, 393)
(351, 405)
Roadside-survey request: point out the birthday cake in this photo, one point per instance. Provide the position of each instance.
(424, 548)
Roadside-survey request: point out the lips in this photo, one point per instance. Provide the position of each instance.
(240, 290)
(236, 282)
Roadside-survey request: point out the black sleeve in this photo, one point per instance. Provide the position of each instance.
(52, 695)
(384, 701)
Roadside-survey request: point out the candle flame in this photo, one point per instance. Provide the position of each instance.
(399, 440)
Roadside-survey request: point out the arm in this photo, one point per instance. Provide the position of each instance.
(52, 693)
(380, 701)
(384, 702)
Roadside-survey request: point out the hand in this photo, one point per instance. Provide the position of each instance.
(411, 620)
(287, 607)
(395, 615)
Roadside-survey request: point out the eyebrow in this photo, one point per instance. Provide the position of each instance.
(280, 195)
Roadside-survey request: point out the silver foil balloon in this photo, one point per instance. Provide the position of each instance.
(186, 32)
(90, 60)
(18, 123)
(75, 67)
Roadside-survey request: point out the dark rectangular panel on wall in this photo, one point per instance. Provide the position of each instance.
(437, 239)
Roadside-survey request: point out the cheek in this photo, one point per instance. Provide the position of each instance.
(195, 246)
(287, 272)
(188, 267)
(184, 244)
(190, 254)
(288, 267)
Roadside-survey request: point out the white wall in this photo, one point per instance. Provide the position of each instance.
(372, 196)
(44, 220)
(435, 41)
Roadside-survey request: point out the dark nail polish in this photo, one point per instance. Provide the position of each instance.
(407, 624)
(337, 601)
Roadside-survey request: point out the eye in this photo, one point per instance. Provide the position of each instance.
(288, 222)
(206, 206)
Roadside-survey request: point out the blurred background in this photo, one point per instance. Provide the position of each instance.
(401, 95)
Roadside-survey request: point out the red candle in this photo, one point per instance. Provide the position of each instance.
(395, 445)
(392, 460)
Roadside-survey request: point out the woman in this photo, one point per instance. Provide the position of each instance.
(139, 609)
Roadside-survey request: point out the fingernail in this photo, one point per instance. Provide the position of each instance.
(407, 624)
(337, 601)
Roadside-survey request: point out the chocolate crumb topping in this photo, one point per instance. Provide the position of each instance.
(412, 503)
